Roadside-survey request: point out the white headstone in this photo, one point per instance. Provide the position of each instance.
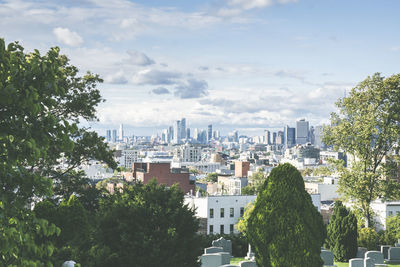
(357, 262)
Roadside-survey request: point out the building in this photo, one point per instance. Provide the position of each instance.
(128, 157)
(121, 132)
(108, 136)
(163, 173)
(114, 136)
(242, 168)
(382, 210)
(318, 137)
(209, 133)
(289, 136)
(302, 131)
(183, 128)
(187, 153)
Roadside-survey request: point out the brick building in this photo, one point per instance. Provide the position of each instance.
(242, 168)
(163, 173)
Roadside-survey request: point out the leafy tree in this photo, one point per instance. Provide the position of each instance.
(256, 180)
(367, 127)
(42, 102)
(392, 232)
(342, 233)
(212, 177)
(146, 225)
(285, 228)
(367, 238)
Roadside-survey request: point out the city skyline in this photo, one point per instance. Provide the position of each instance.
(236, 64)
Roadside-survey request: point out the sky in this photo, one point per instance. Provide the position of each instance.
(245, 65)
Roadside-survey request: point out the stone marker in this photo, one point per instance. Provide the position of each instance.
(394, 255)
(211, 260)
(368, 262)
(384, 251)
(250, 254)
(361, 252)
(213, 250)
(247, 264)
(228, 265)
(226, 257)
(357, 262)
(225, 244)
(376, 256)
(327, 257)
(68, 264)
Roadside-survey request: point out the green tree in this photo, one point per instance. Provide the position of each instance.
(392, 232)
(342, 233)
(367, 238)
(42, 102)
(366, 127)
(285, 228)
(256, 180)
(146, 225)
(212, 177)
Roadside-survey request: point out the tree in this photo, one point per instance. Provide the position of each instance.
(367, 128)
(392, 233)
(342, 233)
(367, 238)
(284, 227)
(146, 225)
(212, 177)
(256, 180)
(43, 101)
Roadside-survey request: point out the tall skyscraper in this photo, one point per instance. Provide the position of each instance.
(108, 136)
(318, 137)
(177, 132)
(274, 138)
(290, 136)
(121, 132)
(183, 128)
(302, 128)
(187, 133)
(267, 136)
(236, 136)
(209, 133)
(114, 136)
(280, 139)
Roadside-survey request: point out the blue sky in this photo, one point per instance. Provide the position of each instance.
(248, 65)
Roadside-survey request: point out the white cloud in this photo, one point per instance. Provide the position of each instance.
(116, 78)
(155, 77)
(250, 4)
(68, 37)
(138, 58)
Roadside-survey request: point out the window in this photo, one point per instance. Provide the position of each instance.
(232, 212)
(211, 229)
(241, 211)
(231, 228)
(222, 212)
(397, 212)
(211, 213)
(221, 229)
(390, 213)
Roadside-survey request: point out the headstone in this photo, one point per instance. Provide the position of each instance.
(327, 257)
(68, 264)
(376, 256)
(394, 255)
(225, 244)
(361, 252)
(247, 264)
(213, 250)
(228, 265)
(357, 262)
(226, 257)
(368, 262)
(384, 251)
(380, 265)
(250, 254)
(211, 260)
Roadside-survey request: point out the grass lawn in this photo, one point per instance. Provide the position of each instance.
(338, 264)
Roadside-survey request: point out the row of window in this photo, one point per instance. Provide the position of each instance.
(391, 213)
(231, 212)
(222, 229)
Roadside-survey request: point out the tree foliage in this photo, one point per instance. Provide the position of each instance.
(42, 102)
(342, 233)
(392, 233)
(256, 180)
(146, 225)
(367, 238)
(367, 127)
(285, 228)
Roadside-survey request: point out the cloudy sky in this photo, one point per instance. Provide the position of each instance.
(248, 65)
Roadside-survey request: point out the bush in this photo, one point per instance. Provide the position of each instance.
(342, 233)
(367, 238)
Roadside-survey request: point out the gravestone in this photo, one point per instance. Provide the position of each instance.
(361, 252)
(225, 244)
(368, 262)
(247, 264)
(228, 265)
(356, 262)
(68, 264)
(211, 260)
(375, 256)
(384, 251)
(213, 250)
(250, 254)
(327, 257)
(394, 255)
(226, 257)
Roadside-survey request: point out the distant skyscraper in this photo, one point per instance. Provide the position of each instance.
(318, 137)
(267, 135)
(170, 134)
(302, 128)
(209, 132)
(187, 133)
(280, 139)
(290, 136)
(108, 136)
(274, 138)
(196, 134)
(236, 135)
(311, 135)
(121, 132)
(114, 136)
(177, 132)
(183, 128)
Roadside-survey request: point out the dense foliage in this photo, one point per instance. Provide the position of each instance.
(285, 228)
(342, 233)
(392, 233)
(367, 238)
(367, 128)
(146, 225)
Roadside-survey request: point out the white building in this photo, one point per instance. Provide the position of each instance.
(222, 213)
(128, 157)
(187, 153)
(383, 210)
(327, 189)
(201, 166)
